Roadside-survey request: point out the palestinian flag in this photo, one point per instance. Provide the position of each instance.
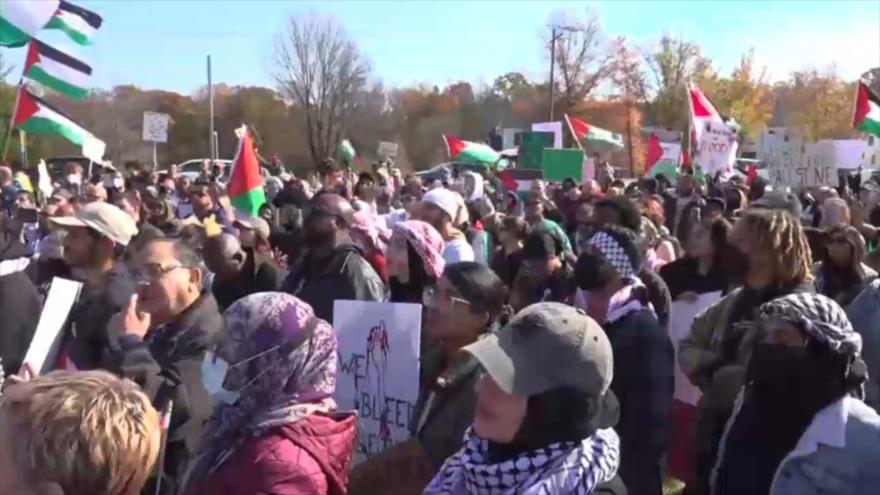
(347, 152)
(662, 158)
(21, 19)
(582, 130)
(519, 180)
(467, 151)
(34, 115)
(79, 23)
(245, 185)
(57, 70)
(866, 117)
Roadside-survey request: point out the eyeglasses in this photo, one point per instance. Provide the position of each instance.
(153, 272)
(431, 298)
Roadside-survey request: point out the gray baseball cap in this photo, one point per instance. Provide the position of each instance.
(545, 346)
(104, 218)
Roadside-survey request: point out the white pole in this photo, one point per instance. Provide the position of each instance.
(155, 160)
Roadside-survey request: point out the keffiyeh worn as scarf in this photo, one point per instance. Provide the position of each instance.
(575, 468)
(281, 389)
(821, 317)
(368, 224)
(427, 242)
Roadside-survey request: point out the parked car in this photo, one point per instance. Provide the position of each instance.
(192, 168)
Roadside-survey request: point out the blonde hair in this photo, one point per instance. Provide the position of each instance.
(778, 234)
(90, 432)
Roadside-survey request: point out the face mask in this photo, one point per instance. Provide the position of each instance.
(213, 375)
(73, 179)
(118, 183)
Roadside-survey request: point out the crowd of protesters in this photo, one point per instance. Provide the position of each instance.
(547, 365)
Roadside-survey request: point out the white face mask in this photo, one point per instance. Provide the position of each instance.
(73, 179)
(213, 375)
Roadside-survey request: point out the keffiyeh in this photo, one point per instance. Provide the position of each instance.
(819, 316)
(575, 468)
(615, 254)
(427, 242)
(368, 224)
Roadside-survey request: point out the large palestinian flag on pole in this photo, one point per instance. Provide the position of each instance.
(467, 151)
(582, 130)
(21, 19)
(34, 115)
(866, 116)
(57, 70)
(245, 185)
(79, 23)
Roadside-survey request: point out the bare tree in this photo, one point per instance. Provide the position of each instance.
(673, 63)
(583, 61)
(321, 71)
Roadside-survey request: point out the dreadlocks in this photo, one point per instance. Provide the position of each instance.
(777, 232)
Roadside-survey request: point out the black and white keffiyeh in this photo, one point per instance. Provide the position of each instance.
(821, 317)
(614, 253)
(575, 468)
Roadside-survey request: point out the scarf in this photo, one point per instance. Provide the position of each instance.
(627, 300)
(575, 468)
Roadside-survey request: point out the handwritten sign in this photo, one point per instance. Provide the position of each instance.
(717, 148)
(795, 164)
(156, 127)
(681, 318)
(387, 149)
(378, 372)
(47, 337)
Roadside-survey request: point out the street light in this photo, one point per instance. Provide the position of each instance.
(553, 37)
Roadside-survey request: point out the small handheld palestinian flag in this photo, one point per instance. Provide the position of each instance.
(57, 70)
(467, 151)
(21, 19)
(79, 23)
(582, 130)
(347, 152)
(36, 116)
(866, 116)
(245, 185)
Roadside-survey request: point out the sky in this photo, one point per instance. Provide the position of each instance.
(162, 44)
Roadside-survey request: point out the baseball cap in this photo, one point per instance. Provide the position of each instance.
(780, 200)
(260, 225)
(104, 218)
(545, 346)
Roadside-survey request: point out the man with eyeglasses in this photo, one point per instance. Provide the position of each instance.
(160, 339)
(94, 246)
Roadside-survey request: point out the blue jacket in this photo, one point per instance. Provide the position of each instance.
(839, 452)
(864, 314)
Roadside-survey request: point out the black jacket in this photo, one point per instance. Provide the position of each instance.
(643, 383)
(259, 274)
(167, 364)
(20, 304)
(658, 294)
(347, 275)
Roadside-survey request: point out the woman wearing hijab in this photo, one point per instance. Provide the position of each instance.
(799, 425)
(842, 273)
(462, 308)
(371, 237)
(643, 354)
(415, 260)
(542, 425)
(274, 429)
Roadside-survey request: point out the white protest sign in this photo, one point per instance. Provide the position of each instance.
(47, 338)
(156, 127)
(795, 164)
(589, 169)
(846, 153)
(378, 372)
(717, 147)
(681, 318)
(387, 150)
(554, 127)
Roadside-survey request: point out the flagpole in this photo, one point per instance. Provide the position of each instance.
(11, 122)
(211, 114)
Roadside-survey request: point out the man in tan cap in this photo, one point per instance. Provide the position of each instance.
(96, 241)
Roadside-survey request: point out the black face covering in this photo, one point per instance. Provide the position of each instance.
(736, 263)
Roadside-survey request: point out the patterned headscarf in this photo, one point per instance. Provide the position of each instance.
(368, 224)
(819, 316)
(281, 388)
(615, 254)
(427, 242)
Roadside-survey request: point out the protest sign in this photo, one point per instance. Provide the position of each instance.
(717, 147)
(559, 165)
(795, 164)
(155, 127)
(531, 148)
(554, 127)
(668, 162)
(378, 372)
(588, 171)
(846, 153)
(681, 317)
(387, 149)
(42, 353)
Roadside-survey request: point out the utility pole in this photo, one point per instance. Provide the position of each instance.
(553, 38)
(211, 115)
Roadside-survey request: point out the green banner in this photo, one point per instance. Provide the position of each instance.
(559, 165)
